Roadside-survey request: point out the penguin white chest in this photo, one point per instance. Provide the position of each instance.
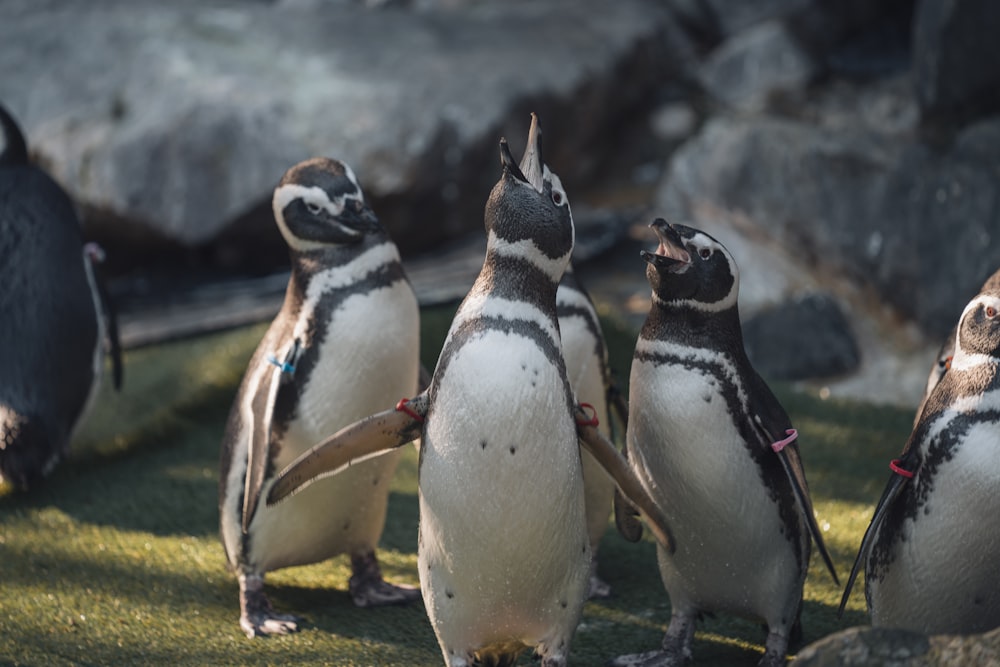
(366, 359)
(503, 551)
(731, 553)
(942, 576)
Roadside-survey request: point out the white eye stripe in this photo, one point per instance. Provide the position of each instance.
(963, 359)
(315, 199)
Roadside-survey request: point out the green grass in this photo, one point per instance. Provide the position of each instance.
(116, 559)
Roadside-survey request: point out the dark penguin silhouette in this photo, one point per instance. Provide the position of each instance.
(930, 552)
(54, 314)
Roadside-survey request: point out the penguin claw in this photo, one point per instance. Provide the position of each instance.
(262, 624)
(369, 589)
(647, 659)
(381, 593)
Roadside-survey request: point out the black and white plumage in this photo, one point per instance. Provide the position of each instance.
(586, 357)
(55, 319)
(345, 341)
(700, 433)
(504, 555)
(942, 361)
(512, 569)
(930, 552)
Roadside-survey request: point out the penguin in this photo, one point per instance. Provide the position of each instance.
(503, 553)
(716, 451)
(586, 358)
(345, 339)
(942, 361)
(929, 553)
(585, 354)
(56, 320)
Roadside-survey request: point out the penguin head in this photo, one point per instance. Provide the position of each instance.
(319, 203)
(691, 269)
(527, 213)
(978, 338)
(13, 149)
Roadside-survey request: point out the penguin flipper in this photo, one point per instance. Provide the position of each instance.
(892, 490)
(790, 461)
(352, 444)
(259, 417)
(110, 316)
(617, 467)
(766, 423)
(626, 517)
(618, 403)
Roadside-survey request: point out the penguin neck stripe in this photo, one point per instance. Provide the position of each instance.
(714, 307)
(526, 249)
(781, 444)
(349, 273)
(484, 305)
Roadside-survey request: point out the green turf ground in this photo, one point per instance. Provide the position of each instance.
(117, 561)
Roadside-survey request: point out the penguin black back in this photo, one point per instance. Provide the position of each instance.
(13, 148)
(48, 321)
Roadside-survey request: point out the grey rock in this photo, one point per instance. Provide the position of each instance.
(915, 223)
(885, 105)
(884, 647)
(674, 121)
(805, 338)
(750, 67)
(733, 16)
(183, 116)
(955, 56)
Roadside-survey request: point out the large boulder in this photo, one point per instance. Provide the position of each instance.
(914, 222)
(955, 57)
(876, 647)
(806, 337)
(182, 116)
(761, 61)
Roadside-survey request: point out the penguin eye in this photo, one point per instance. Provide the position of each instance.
(557, 198)
(991, 312)
(705, 253)
(313, 207)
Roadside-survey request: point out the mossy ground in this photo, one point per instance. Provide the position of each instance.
(116, 559)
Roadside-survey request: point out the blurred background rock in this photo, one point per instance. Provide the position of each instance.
(846, 151)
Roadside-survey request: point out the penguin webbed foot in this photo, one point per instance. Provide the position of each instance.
(257, 616)
(674, 651)
(657, 658)
(369, 589)
(263, 624)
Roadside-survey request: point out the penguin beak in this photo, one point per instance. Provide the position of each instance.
(507, 160)
(532, 164)
(670, 254)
